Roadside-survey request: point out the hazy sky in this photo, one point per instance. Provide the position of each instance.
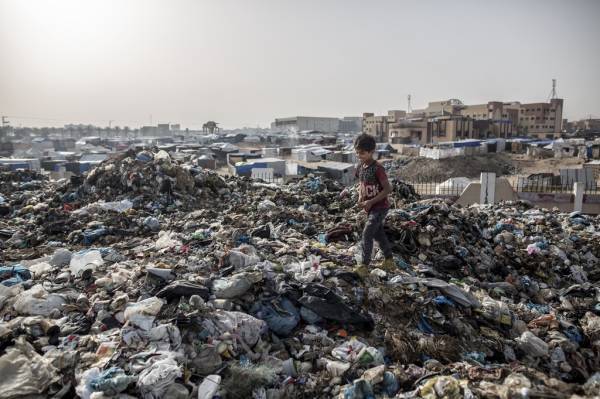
(245, 62)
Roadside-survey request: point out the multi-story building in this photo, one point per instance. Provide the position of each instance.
(449, 128)
(378, 126)
(541, 120)
(409, 131)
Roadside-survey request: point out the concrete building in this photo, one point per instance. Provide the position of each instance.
(378, 126)
(350, 124)
(410, 131)
(301, 123)
(449, 128)
(542, 120)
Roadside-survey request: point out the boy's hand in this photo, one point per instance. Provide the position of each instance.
(367, 205)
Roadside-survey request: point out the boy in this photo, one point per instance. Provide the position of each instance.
(373, 191)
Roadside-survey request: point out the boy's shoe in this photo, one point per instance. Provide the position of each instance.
(362, 271)
(389, 265)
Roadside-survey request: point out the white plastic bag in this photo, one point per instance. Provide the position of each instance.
(143, 313)
(117, 206)
(36, 301)
(85, 260)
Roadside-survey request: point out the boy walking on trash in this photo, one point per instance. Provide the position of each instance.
(373, 191)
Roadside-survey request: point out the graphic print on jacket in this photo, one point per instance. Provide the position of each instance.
(371, 183)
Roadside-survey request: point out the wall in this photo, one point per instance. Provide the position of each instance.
(504, 192)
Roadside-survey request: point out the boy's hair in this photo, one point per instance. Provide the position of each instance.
(365, 142)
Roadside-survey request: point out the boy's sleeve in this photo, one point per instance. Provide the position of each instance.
(381, 175)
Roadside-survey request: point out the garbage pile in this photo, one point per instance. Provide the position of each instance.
(121, 285)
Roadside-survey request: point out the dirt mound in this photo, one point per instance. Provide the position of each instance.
(467, 166)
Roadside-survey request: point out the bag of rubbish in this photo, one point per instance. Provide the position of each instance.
(142, 314)
(243, 257)
(36, 301)
(235, 285)
(531, 345)
(247, 327)
(281, 316)
(85, 260)
(23, 372)
(152, 223)
(12, 275)
(61, 257)
(156, 379)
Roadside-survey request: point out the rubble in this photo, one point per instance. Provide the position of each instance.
(156, 279)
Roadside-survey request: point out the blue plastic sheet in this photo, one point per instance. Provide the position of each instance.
(281, 316)
(90, 236)
(12, 275)
(442, 300)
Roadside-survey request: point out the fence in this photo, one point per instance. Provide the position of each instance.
(443, 187)
(552, 185)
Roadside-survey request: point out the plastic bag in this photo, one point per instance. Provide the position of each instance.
(24, 372)
(143, 313)
(118, 206)
(12, 275)
(236, 285)
(85, 260)
(247, 327)
(348, 351)
(281, 316)
(306, 271)
(242, 257)
(156, 379)
(532, 345)
(36, 301)
(61, 257)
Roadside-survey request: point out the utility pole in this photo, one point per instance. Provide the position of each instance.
(409, 108)
(5, 123)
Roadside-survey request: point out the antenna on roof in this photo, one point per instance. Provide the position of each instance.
(553, 91)
(409, 108)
